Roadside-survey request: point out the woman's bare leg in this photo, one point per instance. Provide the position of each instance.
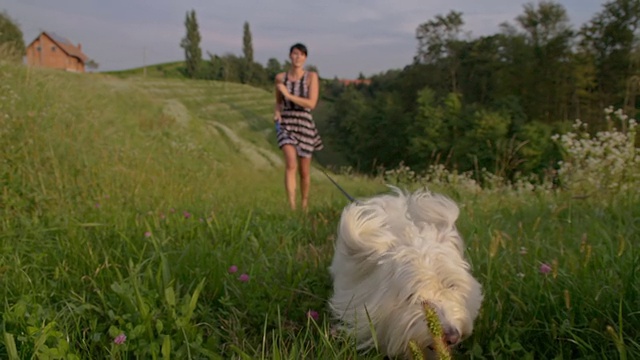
(305, 180)
(290, 158)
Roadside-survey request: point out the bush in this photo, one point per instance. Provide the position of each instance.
(11, 43)
(607, 161)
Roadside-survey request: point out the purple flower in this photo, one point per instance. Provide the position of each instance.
(120, 339)
(147, 234)
(186, 214)
(232, 269)
(97, 205)
(313, 315)
(545, 268)
(243, 278)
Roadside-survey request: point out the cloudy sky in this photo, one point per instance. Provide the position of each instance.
(344, 37)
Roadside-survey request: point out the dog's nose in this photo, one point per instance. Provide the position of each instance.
(451, 336)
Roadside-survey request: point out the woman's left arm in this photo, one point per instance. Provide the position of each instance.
(314, 90)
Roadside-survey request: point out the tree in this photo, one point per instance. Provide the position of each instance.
(191, 45)
(247, 45)
(247, 73)
(311, 67)
(610, 39)
(92, 64)
(548, 36)
(439, 39)
(273, 68)
(11, 42)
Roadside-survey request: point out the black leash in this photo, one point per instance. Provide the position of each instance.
(339, 187)
(322, 167)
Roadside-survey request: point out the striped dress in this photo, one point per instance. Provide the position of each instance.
(296, 126)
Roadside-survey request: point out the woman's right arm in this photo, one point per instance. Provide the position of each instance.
(279, 98)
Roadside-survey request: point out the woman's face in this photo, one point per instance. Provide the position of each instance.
(297, 58)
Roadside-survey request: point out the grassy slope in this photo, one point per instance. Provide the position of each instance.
(120, 196)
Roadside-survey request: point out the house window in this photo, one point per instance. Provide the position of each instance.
(53, 48)
(39, 48)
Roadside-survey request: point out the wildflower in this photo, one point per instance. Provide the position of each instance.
(120, 339)
(147, 234)
(545, 268)
(312, 314)
(520, 275)
(186, 214)
(243, 278)
(97, 205)
(232, 269)
(523, 250)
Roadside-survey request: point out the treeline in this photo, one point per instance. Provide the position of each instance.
(228, 67)
(492, 102)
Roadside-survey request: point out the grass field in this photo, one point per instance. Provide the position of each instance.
(145, 218)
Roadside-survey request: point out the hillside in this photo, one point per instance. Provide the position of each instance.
(209, 129)
(146, 218)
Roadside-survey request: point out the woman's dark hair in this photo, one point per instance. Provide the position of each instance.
(300, 47)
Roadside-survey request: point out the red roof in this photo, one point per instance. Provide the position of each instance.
(348, 82)
(66, 46)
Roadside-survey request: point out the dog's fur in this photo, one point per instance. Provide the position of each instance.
(393, 253)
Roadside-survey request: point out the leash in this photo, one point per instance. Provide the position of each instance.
(339, 187)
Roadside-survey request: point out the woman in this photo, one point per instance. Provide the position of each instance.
(296, 95)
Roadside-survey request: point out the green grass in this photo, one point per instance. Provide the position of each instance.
(165, 70)
(123, 203)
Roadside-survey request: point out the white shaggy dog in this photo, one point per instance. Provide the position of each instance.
(395, 252)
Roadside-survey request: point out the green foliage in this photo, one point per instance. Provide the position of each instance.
(541, 154)
(11, 41)
(430, 133)
(511, 89)
(483, 139)
(191, 45)
(273, 68)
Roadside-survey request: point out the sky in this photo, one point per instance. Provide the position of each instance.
(344, 37)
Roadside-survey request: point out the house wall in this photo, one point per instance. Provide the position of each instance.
(45, 53)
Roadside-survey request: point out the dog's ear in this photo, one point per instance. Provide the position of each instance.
(363, 231)
(435, 209)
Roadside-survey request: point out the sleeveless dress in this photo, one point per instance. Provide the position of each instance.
(296, 126)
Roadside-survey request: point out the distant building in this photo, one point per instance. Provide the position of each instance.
(347, 82)
(53, 51)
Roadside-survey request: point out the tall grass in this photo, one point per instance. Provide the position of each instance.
(128, 232)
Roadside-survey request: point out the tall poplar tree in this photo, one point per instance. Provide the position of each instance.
(247, 44)
(191, 45)
(247, 51)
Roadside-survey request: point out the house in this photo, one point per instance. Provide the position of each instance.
(347, 82)
(53, 51)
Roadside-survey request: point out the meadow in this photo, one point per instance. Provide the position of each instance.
(146, 218)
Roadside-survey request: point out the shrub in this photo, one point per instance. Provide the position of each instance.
(607, 161)
(11, 44)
